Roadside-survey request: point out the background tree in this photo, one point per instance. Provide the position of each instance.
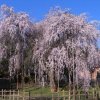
(16, 35)
(68, 41)
(62, 46)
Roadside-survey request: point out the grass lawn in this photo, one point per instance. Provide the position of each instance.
(38, 92)
(45, 91)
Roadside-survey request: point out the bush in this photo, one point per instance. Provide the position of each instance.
(27, 79)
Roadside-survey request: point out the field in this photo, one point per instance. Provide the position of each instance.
(38, 93)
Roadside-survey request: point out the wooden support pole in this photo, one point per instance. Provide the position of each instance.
(2, 94)
(93, 93)
(23, 94)
(13, 94)
(79, 94)
(52, 96)
(18, 95)
(63, 95)
(9, 94)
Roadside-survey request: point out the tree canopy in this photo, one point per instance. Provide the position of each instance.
(61, 40)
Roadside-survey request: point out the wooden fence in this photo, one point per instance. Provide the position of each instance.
(13, 95)
(62, 95)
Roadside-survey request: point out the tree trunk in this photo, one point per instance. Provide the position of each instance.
(52, 81)
(43, 82)
(69, 96)
(35, 78)
(17, 81)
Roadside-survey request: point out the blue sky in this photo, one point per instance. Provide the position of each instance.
(37, 9)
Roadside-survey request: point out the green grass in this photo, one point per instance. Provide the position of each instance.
(45, 92)
(38, 91)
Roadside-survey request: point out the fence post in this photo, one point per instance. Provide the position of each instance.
(13, 94)
(63, 95)
(69, 95)
(10, 95)
(52, 96)
(2, 94)
(58, 94)
(5, 94)
(18, 95)
(23, 94)
(79, 94)
(93, 93)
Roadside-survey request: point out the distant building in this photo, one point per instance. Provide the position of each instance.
(95, 76)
